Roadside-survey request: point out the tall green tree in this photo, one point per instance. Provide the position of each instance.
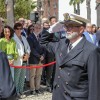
(88, 9)
(76, 4)
(2, 9)
(10, 12)
(22, 8)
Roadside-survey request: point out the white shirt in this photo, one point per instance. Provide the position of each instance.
(91, 36)
(55, 27)
(36, 35)
(75, 43)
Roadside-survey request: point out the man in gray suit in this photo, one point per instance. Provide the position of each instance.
(77, 62)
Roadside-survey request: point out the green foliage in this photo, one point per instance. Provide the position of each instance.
(74, 2)
(22, 8)
(2, 9)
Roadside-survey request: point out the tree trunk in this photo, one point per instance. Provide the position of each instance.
(98, 15)
(88, 9)
(10, 12)
(75, 11)
(78, 8)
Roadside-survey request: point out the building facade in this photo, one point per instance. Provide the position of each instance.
(87, 10)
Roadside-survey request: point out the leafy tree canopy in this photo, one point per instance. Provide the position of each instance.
(74, 2)
(2, 9)
(22, 8)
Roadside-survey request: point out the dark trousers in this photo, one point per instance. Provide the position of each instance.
(48, 73)
(53, 75)
(10, 98)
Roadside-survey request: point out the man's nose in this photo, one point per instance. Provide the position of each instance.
(69, 29)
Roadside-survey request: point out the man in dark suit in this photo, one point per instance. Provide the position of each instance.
(36, 58)
(77, 62)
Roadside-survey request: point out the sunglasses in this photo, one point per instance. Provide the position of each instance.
(18, 28)
(31, 28)
(71, 26)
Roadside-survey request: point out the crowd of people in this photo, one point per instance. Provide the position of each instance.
(27, 43)
(22, 47)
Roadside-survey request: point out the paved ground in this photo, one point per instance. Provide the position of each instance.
(44, 96)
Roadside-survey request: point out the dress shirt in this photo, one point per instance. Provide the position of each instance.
(91, 36)
(74, 44)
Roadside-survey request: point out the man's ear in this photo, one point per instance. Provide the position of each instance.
(81, 29)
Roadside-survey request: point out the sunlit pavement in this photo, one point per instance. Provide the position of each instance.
(44, 96)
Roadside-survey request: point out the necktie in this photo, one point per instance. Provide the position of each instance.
(99, 43)
(69, 47)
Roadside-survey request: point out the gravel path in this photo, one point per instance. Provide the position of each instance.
(44, 96)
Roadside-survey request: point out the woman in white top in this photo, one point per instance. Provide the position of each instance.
(23, 49)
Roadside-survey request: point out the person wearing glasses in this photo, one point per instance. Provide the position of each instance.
(37, 57)
(23, 49)
(77, 62)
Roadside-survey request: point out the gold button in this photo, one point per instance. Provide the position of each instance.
(59, 68)
(66, 83)
(60, 54)
(58, 76)
(65, 92)
(58, 86)
(68, 74)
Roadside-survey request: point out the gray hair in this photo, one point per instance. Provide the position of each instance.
(89, 24)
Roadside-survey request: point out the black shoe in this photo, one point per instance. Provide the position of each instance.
(21, 95)
(27, 84)
(38, 91)
(49, 89)
(43, 83)
(33, 92)
(18, 95)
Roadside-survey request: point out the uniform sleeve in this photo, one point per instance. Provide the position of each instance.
(49, 47)
(7, 87)
(94, 75)
(46, 37)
